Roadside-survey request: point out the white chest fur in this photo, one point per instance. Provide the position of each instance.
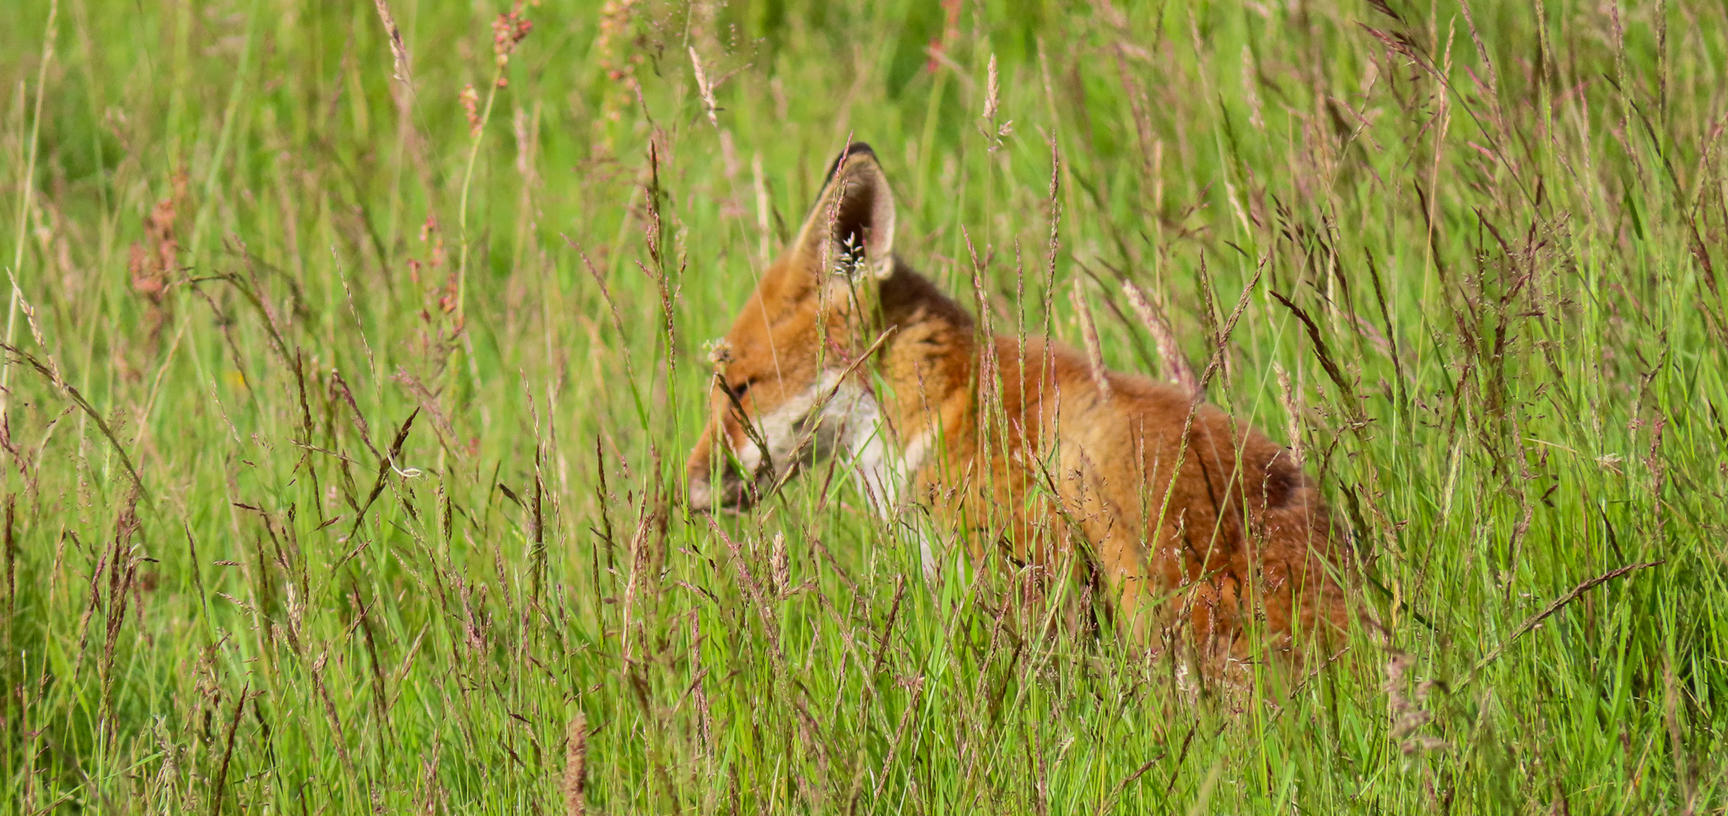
(881, 466)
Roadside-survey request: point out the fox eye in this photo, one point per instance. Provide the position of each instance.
(737, 389)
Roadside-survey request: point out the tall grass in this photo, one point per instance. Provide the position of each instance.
(345, 410)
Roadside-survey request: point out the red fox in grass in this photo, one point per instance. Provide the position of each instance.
(1186, 518)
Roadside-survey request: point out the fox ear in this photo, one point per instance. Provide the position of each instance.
(851, 230)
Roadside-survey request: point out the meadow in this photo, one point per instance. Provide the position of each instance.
(353, 352)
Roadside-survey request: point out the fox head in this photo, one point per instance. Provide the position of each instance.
(787, 390)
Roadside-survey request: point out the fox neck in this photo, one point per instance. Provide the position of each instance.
(926, 363)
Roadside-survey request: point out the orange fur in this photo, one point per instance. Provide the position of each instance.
(1190, 519)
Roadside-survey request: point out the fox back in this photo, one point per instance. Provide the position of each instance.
(1188, 519)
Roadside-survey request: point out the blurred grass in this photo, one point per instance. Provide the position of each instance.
(409, 428)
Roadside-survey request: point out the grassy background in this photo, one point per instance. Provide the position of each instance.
(343, 432)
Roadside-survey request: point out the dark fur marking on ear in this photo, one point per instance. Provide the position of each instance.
(853, 149)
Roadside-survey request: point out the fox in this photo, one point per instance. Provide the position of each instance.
(1184, 518)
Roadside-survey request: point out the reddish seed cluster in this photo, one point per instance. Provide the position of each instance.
(151, 261)
(471, 106)
(616, 56)
(950, 31)
(432, 236)
(508, 30)
(426, 272)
